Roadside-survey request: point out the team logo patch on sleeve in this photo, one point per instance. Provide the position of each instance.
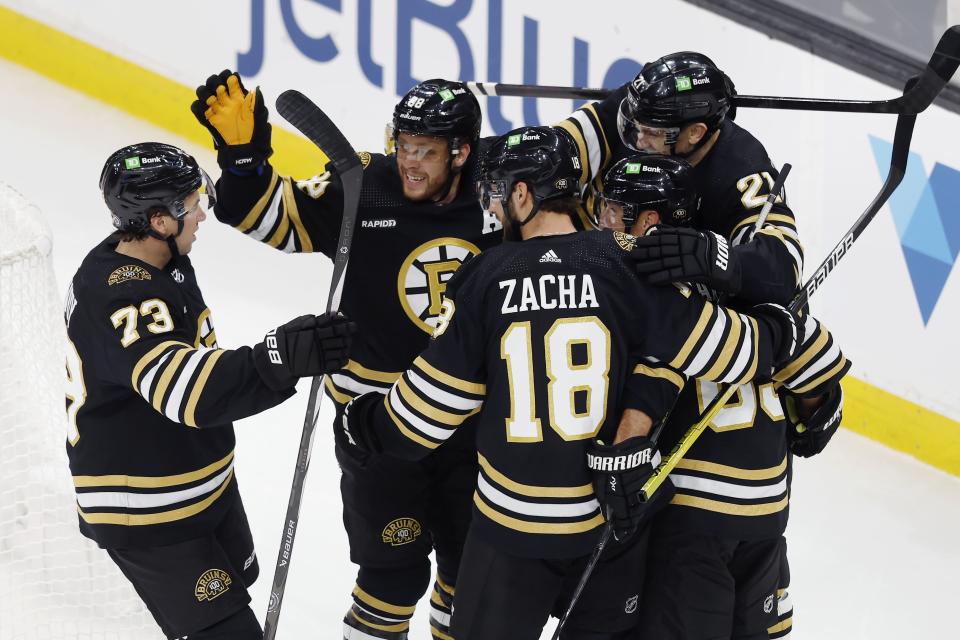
(401, 531)
(365, 158)
(128, 272)
(625, 241)
(423, 278)
(212, 584)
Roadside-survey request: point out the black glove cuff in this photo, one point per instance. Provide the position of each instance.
(274, 375)
(243, 157)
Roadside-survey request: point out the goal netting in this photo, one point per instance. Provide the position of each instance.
(54, 583)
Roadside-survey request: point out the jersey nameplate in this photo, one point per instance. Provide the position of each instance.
(126, 273)
(548, 292)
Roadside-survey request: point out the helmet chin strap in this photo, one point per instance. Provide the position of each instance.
(171, 240)
(452, 171)
(696, 147)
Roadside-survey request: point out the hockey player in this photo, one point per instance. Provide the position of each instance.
(418, 220)
(151, 400)
(541, 336)
(635, 187)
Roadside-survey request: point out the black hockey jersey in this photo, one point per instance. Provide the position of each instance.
(735, 480)
(402, 257)
(542, 336)
(145, 380)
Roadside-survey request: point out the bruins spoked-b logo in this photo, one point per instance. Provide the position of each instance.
(401, 531)
(424, 275)
(213, 583)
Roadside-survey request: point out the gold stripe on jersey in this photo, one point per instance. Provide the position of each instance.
(813, 384)
(199, 339)
(449, 380)
(336, 394)
(734, 335)
(402, 426)
(410, 396)
(730, 508)
(143, 519)
(279, 234)
(582, 491)
(445, 586)
(752, 371)
(660, 372)
(715, 468)
(361, 371)
(292, 211)
(694, 337)
(400, 626)
(376, 603)
(193, 399)
(809, 353)
(525, 526)
(151, 482)
(771, 218)
(440, 635)
(148, 358)
(169, 369)
(251, 218)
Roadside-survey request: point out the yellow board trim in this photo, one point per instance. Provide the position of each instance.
(133, 520)
(582, 491)
(552, 528)
(127, 86)
(380, 604)
(901, 425)
(152, 482)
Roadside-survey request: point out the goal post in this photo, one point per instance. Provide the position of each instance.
(54, 583)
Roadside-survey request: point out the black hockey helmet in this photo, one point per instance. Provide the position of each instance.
(673, 91)
(441, 108)
(544, 158)
(639, 183)
(142, 178)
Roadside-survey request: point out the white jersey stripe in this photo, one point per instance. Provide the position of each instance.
(705, 356)
(438, 395)
(266, 225)
(130, 500)
(549, 510)
(728, 489)
(175, 398)
(414, 421)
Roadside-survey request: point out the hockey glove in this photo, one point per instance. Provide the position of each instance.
(306, 346)
(619, 473)
(357, 424)
(679, 254)
(808, 436)
(237, 120)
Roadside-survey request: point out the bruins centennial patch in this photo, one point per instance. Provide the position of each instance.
(212, 584)
(423, 278)
(365, 158)
(626, 241)
(128, 272)
(401, 531)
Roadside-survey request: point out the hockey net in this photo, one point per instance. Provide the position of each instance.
(54, 583)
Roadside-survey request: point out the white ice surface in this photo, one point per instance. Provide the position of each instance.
(874, 534)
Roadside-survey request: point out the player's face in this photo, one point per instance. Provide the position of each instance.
(424, 165)
(191, 222)
(611, 216)
(651, 139)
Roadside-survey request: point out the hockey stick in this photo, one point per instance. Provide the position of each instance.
(898, 166)
(941, 67)
(307, 117)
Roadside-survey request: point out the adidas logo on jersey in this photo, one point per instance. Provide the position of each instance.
(550, 256)
(378, 224)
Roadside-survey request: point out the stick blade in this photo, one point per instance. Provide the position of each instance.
(938, 72)
(311, 121)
